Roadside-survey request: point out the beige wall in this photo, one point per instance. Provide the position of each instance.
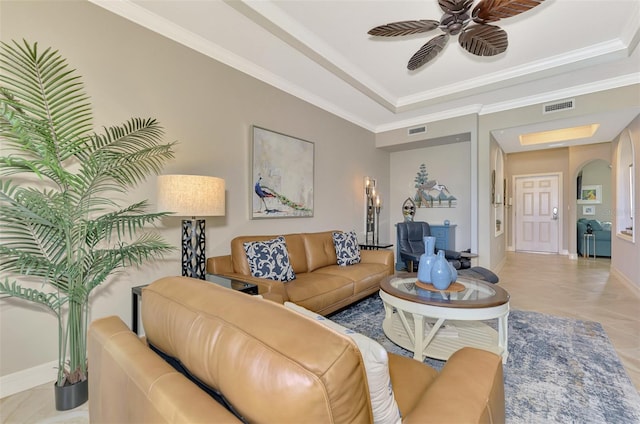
(542, 162)
(209, 108)
(625, 251)
(622, 98)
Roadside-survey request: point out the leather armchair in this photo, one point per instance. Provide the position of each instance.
(213, 355)
(411, 245)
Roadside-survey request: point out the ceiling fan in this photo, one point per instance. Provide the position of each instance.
(476, 35)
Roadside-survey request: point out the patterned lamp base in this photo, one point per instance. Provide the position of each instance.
(193, 248)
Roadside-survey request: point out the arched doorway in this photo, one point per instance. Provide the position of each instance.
(594, 209)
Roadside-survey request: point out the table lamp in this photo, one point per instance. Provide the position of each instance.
(192, 196)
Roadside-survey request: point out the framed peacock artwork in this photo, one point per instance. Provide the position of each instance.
(282, 175)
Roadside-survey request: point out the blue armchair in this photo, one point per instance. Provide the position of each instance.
(410, 239)
(601, 237)
(411, 246)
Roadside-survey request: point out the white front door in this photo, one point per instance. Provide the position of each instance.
(537, 209)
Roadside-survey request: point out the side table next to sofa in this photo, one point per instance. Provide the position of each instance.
(230, 283)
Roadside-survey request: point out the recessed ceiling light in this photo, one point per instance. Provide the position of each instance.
(563, 134)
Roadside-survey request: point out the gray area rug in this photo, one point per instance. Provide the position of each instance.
(559, 370)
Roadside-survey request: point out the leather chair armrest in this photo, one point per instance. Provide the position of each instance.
(469, 389)
(410, 379)
(415, 257)
(452, 254)
(124, 368)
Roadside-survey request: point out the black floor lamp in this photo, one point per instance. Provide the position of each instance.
(192, 196)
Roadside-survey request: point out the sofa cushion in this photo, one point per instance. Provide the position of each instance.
(317, 291)
(347, 248)
(376, 364)
(365, 276)
(319, 249)
(295, 248)
(269, 259)
(595, 225)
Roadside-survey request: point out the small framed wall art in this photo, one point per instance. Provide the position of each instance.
(588, 210)
(282, 172)
(590, 194)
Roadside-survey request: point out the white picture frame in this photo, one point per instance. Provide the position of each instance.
(590, 194)
(588, 210)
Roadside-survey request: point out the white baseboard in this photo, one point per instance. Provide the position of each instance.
(625, 280)
(28, 379)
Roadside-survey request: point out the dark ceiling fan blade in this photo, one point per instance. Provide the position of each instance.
(494, 10)
(428, 52)
(484, 40)
(455, 6)
(395, 29)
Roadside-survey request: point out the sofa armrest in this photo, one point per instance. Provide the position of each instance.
(469, 389)
(384, 257)
(219, 265)
(269, 289)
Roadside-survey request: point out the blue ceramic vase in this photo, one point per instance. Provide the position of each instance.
(441, 272)
(427, 259)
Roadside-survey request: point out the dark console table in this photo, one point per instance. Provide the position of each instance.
(230, 283)
(374, 246)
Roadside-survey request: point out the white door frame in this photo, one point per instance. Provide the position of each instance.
(562, 210)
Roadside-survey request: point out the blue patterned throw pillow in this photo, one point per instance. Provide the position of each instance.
(269, 259)
(347, 248)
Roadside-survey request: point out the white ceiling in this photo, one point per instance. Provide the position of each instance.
(319, 51)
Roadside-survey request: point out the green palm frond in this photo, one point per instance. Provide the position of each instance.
(50, 300)
(45, 104)
(61, 223)
(127, 154)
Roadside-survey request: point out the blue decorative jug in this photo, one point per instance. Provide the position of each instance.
(441, 272)
(427, 259)
(454, 272)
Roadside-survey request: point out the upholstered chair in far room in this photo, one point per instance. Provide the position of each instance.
(411, 246)
(410, 239)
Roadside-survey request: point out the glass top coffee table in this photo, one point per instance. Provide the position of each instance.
(436, 323)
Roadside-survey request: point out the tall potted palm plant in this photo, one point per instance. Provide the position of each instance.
(63, 230)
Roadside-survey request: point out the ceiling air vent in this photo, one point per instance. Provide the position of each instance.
(559, 106)
(417, 130)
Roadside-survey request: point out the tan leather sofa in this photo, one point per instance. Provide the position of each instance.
(321, 285)
(270, 363)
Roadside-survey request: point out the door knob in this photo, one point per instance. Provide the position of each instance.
(555, 213)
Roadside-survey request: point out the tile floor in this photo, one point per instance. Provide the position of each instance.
(582, 289)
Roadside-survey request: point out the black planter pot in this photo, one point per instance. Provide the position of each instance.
(71, 396)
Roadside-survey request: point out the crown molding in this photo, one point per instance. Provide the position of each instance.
(622, 81)
(271, 19)
(141, 16)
